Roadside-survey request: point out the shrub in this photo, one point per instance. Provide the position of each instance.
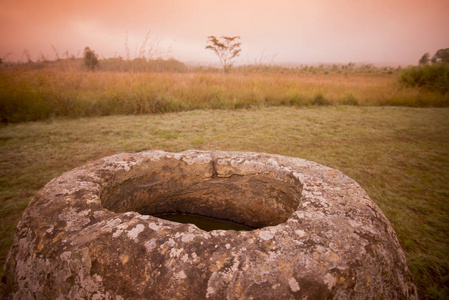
(429, 77)
(21, 101)
(319, 99)
(292, 99)
(350, 99)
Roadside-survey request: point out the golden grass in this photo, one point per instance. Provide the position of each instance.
(42, 94)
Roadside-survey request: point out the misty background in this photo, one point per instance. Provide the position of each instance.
(383, 32)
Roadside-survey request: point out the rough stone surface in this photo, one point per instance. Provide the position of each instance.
(89, 233)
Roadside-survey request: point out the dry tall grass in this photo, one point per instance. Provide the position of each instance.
(27, 95)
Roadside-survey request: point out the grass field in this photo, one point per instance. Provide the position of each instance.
(29, 95)
(399, 155)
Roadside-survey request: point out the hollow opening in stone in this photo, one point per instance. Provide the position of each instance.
(172, 187)
(204, 223)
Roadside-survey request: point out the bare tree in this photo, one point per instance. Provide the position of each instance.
(227, 48)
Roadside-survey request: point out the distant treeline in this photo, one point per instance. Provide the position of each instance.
(119, 64)
(116, 64)
(142, 65)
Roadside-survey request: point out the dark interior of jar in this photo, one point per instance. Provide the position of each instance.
(172, 187)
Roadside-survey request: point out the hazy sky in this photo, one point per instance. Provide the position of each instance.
(299, 31)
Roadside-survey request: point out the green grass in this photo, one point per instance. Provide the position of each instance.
(400, 156)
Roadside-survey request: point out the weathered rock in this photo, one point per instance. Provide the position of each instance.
(89, 233)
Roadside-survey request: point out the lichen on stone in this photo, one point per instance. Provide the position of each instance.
(91, 233)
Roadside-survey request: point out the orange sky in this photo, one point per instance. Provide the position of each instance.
(298, 31)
